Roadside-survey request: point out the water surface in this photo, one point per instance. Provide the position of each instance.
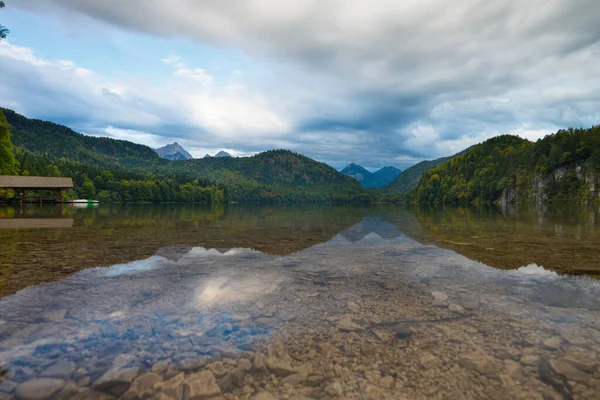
(300, 302)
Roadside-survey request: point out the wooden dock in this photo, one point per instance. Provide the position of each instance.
(27, 188)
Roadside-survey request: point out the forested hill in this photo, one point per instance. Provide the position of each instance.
(59, 141)
(126, 171)
(274, 175)
(563, 167)
(409, 179)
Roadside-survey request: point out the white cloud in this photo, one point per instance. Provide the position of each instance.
(134, 110)
(353, 81)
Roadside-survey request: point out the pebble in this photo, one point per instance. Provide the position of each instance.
(402, 330)
(334, 389)
(530, 360)
(347, 325)
(387, 382)
(455, 308)
(553, 343)
(429, 361)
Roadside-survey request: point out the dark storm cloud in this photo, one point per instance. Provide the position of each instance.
(384, 82)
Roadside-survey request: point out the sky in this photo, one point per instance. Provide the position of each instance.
(377, 83)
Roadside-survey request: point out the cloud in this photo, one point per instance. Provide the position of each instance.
(181, 70)
(383, 81)
(135, 110)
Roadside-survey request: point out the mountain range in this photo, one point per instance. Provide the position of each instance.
(368, 179)
(562, 167)
(173, 151)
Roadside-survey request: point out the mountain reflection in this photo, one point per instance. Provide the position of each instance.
(566, 240)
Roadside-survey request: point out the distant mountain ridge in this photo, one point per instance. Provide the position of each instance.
(173, 151)
(368, 179)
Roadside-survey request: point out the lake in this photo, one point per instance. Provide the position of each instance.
(299, 302)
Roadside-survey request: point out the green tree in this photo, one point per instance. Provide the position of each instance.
(3, 30)
(8, 162)
(88, 191)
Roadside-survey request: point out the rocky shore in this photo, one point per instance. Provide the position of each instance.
(374, 320)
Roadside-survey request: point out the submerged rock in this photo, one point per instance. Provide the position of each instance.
(554, 343)
(201, 385)
(39, 389)
(142, 385)
(402, 330)
(61, 369)
(116, 381)
(172, 388)
(347, 325)
(455, 308)
(278, 360)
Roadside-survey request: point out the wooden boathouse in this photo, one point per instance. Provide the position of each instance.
(28, 188)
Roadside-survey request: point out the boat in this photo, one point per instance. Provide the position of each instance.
(84, 201)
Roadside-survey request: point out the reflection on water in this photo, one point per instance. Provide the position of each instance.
(318, 303)
(564, 239)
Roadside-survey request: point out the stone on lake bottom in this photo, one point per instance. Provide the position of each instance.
(402, 330)
(334, 390)
(141, 385)
(172, 388)
(455, 308)
(264, 396)
(39, 389)
(61, 369)
(429, 361)
(295, 379)
(347, 325)
(201, 385)
(387, 382)
(116, 381)
(553, 343)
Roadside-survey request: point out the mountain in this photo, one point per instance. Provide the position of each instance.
(173, 151)
(385, 175)
(207, 156)
(222, 154)
(274, 175)
(563, 167)
(59, 141)
(175, 157)
(357, 172)
(371, 179)
(409, 179)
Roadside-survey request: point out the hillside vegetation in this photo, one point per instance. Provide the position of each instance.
(401, 188)
(122, 171)
(274, 175)
(59, 141)
(563, 167)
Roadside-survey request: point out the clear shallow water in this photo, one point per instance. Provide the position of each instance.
(316, 302)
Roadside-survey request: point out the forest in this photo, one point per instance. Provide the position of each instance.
(562, 167)
(112, 170)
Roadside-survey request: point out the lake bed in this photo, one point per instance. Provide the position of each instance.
(299, 302)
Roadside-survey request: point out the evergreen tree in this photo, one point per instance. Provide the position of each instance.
(8, 162)
(3, 30)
